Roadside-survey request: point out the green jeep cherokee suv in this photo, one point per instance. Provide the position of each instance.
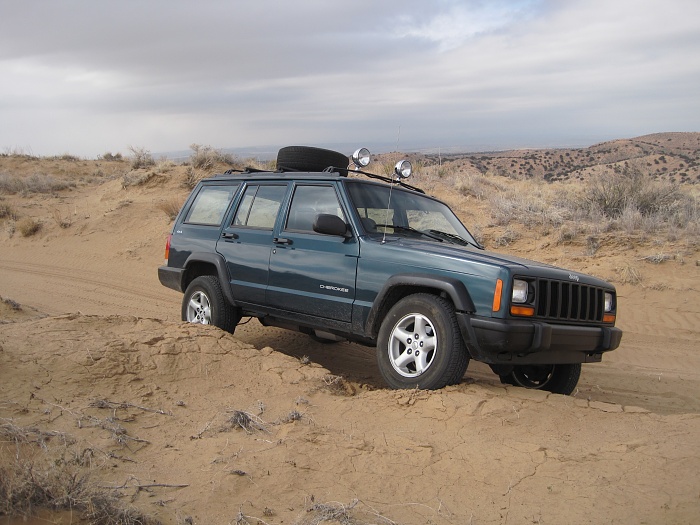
(323, 249)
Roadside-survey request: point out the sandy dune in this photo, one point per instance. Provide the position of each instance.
(259, 426)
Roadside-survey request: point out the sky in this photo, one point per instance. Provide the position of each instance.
(90, 77)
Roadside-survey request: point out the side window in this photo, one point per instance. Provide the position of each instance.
(210, 205)
(259, 206)
(309, 201)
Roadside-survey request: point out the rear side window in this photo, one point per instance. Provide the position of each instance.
(210, 205)
(260, 206)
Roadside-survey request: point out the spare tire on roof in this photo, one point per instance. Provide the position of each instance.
(306, 158)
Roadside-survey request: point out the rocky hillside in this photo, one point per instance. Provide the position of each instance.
(666, 156)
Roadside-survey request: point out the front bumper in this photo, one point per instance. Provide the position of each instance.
(516, 342)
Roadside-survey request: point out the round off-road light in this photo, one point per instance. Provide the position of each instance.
(361, 157)
(403, 169)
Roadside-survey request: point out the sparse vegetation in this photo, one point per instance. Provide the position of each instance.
(141, 158)
(28, 226)
(36, 183)
(206, 158)
(8, 212)
(170, 207)
(48, 472)
(109, 157)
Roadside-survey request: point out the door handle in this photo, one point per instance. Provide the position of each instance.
(229, 235)
(281, 240)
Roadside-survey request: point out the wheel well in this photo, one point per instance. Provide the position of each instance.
(197, 269)
(396, 294)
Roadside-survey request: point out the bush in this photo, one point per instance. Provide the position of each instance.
(28, 226)
(614, 193)
(206, 157)
(170, 207)
(142, 158)
(111, 158)
(36, 183)
(8, 212)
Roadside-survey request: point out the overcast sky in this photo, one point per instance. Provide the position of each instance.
(87, 77)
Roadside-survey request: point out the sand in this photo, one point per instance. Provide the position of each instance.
(267, 426)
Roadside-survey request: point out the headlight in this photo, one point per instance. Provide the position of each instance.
(608, 302)
(520, 289)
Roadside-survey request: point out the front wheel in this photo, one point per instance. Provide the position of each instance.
(558, 379)
(204, 303)
(420, 345)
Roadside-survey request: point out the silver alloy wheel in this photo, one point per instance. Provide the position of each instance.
(412, 345)
(199, 308)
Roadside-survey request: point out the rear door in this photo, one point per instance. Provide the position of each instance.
(312, 273)
(246, 242)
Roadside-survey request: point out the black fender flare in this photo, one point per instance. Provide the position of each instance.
(219, 263)
(453, 288)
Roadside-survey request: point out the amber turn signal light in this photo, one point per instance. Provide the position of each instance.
(609, 318)
(528, 311)
(497, 295)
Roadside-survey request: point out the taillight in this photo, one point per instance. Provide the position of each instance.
(167, 249)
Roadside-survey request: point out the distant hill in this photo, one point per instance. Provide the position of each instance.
(670, 156)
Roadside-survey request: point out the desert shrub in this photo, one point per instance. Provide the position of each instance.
(170, 207)
(479, 186)
(192, 177)
(613, 193)
(26, 486)
(141, 158)
(37, 183)
(138, 178)
(61, 220)
(28, 226)
(8, 212)
(109, 157)
(531, 208)
(206, 157)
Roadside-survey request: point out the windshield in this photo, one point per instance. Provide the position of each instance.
(406, 213)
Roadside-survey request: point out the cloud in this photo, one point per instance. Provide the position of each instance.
(86, 77)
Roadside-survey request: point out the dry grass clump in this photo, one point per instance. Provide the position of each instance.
(630, 275)
(337, 385)
(206, 157)
(28, 226)
(478, 185)
(109, 157)
(63, 221)
(171, 207)
(48, 472)
(141, 158)
(37, 183)
(246, 421)
(14, 305)
(8, 212)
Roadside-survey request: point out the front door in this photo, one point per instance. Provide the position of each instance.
(313, 273)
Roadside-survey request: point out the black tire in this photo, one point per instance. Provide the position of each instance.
(204, 303)
(558, 379)
(435, 358)
(306, 158)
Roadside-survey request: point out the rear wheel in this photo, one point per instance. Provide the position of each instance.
(420, 345)
(204, 303)
(559, 379)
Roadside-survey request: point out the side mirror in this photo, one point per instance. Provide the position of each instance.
(330, 225)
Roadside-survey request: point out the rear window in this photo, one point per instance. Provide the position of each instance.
(210, 205)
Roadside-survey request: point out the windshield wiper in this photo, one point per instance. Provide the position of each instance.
(456, 238)
(412, 230)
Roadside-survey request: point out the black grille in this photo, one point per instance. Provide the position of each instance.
(569, 301)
